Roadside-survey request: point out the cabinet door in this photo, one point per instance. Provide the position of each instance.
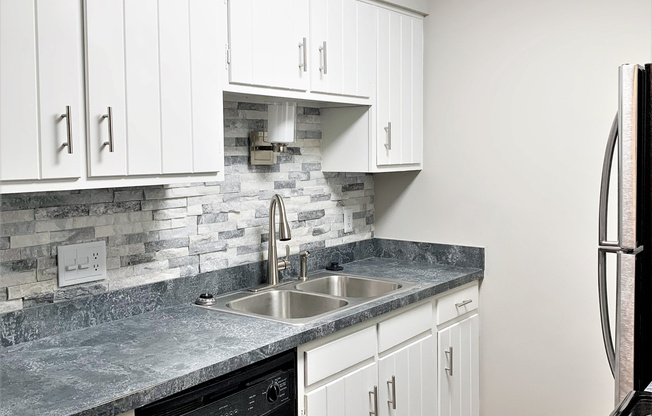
(268, 43)
(167, 112)
(40, 77)
(342, 51)
(399, 88)
(105, 81)
(458, 369)
(349, 395)
(410, 373)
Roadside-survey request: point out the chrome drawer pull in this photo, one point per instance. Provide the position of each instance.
(375, 401)
(393, 401)
(463, 303)
(68, 116)
(449, 357)
(109, 116)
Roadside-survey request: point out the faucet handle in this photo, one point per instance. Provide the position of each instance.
(285, 263)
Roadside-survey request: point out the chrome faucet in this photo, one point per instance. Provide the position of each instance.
(273, 264)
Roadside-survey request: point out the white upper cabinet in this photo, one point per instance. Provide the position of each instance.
(399, 101)
(151, 111)
(154, 88)
(388, 136)
(41, 79)
(342, 48)
(268, 43)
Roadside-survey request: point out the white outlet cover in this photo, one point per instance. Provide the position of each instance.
(81, 263)
(348, 220)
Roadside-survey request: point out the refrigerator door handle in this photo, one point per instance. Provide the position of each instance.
(604, 186)
(604, 308)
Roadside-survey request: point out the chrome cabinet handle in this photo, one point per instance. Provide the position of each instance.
(393, 401)
(68, 116)
(109, 115)
(303, 59)
(604, 186)
(449, 357)
(463, 303)
(388, 129)
(324, 59)
(375, 401)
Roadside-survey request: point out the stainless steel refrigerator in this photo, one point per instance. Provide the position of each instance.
(629, 350)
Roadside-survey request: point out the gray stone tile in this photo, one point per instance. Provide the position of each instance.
(137, 259)
(13, 202)
(285, 184)
(225, 235)
(17, 266)
(43, 250)
(115, 208)
(54, 213)
(17, 228)
(311, 215)
(79, 235)
(165, 244)
(352, 187)
(252, 106)
(320, 197)
(4, 243)
(127, 239)
(308, 167)
(212, 218)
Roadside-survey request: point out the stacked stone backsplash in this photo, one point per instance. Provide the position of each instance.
(166, 232)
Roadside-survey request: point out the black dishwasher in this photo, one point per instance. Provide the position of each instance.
(266, 388)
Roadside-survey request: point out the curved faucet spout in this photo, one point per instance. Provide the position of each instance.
(273, 265)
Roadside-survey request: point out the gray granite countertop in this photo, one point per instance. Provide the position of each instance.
(121, 365)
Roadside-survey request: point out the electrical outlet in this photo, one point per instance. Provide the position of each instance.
(348, 220)
(81, 263)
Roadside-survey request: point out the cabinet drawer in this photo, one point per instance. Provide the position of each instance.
(457, 304)
(339, 355)
(404, 326)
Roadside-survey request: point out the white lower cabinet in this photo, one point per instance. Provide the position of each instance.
(406, 380)
(458, 359)
(421, 360)
(349, 395)
(387, 367)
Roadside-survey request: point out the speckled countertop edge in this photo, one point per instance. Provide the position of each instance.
(146, 357)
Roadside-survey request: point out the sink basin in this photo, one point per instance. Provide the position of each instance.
(302, 302)
(286, 304)
(348, 286)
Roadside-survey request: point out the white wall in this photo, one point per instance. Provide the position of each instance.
(519, 97)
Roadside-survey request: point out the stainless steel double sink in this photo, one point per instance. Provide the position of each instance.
(301, 302)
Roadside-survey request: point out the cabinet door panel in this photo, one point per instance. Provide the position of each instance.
(60, 85)
(383, 85)
(347, 64)
(366, 49)
(414, 371)
(335, 46)
(417, 91)
(267, 45)
(19, 99)
(290, 23)
(458, 393)
(405, 110)
(206, 44)
(395, 87)
(318, 35)
(105, 80)
(176, 101)
(345, 396)
(241, 39)
(142, 83)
